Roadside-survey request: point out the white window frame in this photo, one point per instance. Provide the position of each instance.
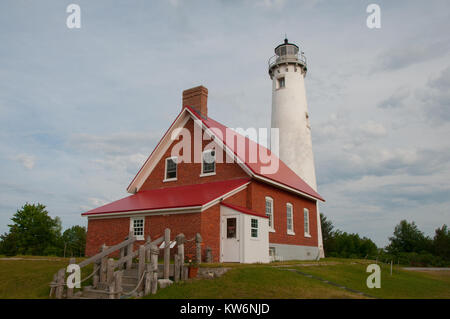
(290, 231)
(176, 169)
(132, 219)
(306, 219)
(202, 174)
(252, 228)
(271, 216)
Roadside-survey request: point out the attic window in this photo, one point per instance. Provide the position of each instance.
(171, 169)
(209, 162)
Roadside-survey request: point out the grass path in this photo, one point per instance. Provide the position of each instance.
(402, 283)
(254, 282)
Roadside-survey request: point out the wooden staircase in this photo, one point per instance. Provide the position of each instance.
(113, 279)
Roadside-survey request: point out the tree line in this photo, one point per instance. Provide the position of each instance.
(34, 232)
(407, 246)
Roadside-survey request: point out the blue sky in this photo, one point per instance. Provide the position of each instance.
(80, 110)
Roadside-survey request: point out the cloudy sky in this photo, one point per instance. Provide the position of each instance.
(81, 109)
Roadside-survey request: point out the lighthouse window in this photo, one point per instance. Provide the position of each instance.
(209, 162)
(281, 82)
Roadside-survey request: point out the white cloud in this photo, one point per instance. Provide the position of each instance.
(26, 160)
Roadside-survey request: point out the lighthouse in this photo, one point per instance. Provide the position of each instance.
(287, 70)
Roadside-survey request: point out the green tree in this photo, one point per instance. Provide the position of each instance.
(441, 242)
(327, 232)
(34, 231)
(408, 238)
(74, 241)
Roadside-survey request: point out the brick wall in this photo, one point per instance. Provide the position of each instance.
(189, 173)
(257, 192)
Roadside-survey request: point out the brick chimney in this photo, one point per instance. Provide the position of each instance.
(197, 98)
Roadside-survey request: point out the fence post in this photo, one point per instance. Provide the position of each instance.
(70, 290)
(166, 253)
(60, 281)
(110, 271)
(181, 239)
(198, 241)
(118, 283)
(121, 255)
(130, 251)
(53, 285)
(176, 268)
(147, 251)
(208, 255)
(154, 252)
(141, 264)
(148, 279)
(103, 266)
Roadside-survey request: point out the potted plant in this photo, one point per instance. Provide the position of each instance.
(193, 268)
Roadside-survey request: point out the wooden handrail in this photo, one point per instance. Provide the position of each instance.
(135, 253)
(106, 252)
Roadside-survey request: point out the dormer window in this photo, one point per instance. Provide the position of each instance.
(209, 162)
(171, 169)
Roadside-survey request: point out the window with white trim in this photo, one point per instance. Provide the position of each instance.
(254, 228)
(209, 162)
(306, 221)
(171, 168)
(137, 227)
(269, 212)
(290, 218)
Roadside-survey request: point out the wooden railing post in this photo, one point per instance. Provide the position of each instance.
(141, 265)
(59, 291)
(176, 268)
(148, 279)
(154, 252)
(208, 253)
(130, 251)
(147, 251)
(121, 255)
(70, 290)
(118, 283)
(103, 266)
(181, 239)
(110, 271)
(198, 243)
(166, 253)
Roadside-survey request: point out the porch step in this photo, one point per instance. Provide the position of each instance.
(89, 293)
(132, 280)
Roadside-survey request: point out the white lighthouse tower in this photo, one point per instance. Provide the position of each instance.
(287, 70)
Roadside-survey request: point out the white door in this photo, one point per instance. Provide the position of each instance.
(230, 239)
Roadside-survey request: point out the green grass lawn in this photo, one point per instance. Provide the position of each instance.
(402, 283)
(253, 282)
(30, 278)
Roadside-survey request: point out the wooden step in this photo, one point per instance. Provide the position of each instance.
(94, 294)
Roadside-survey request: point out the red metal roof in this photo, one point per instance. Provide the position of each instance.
(284, 175)
(171, 197)
(243, 210)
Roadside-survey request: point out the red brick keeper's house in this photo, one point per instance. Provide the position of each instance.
(244, 211)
